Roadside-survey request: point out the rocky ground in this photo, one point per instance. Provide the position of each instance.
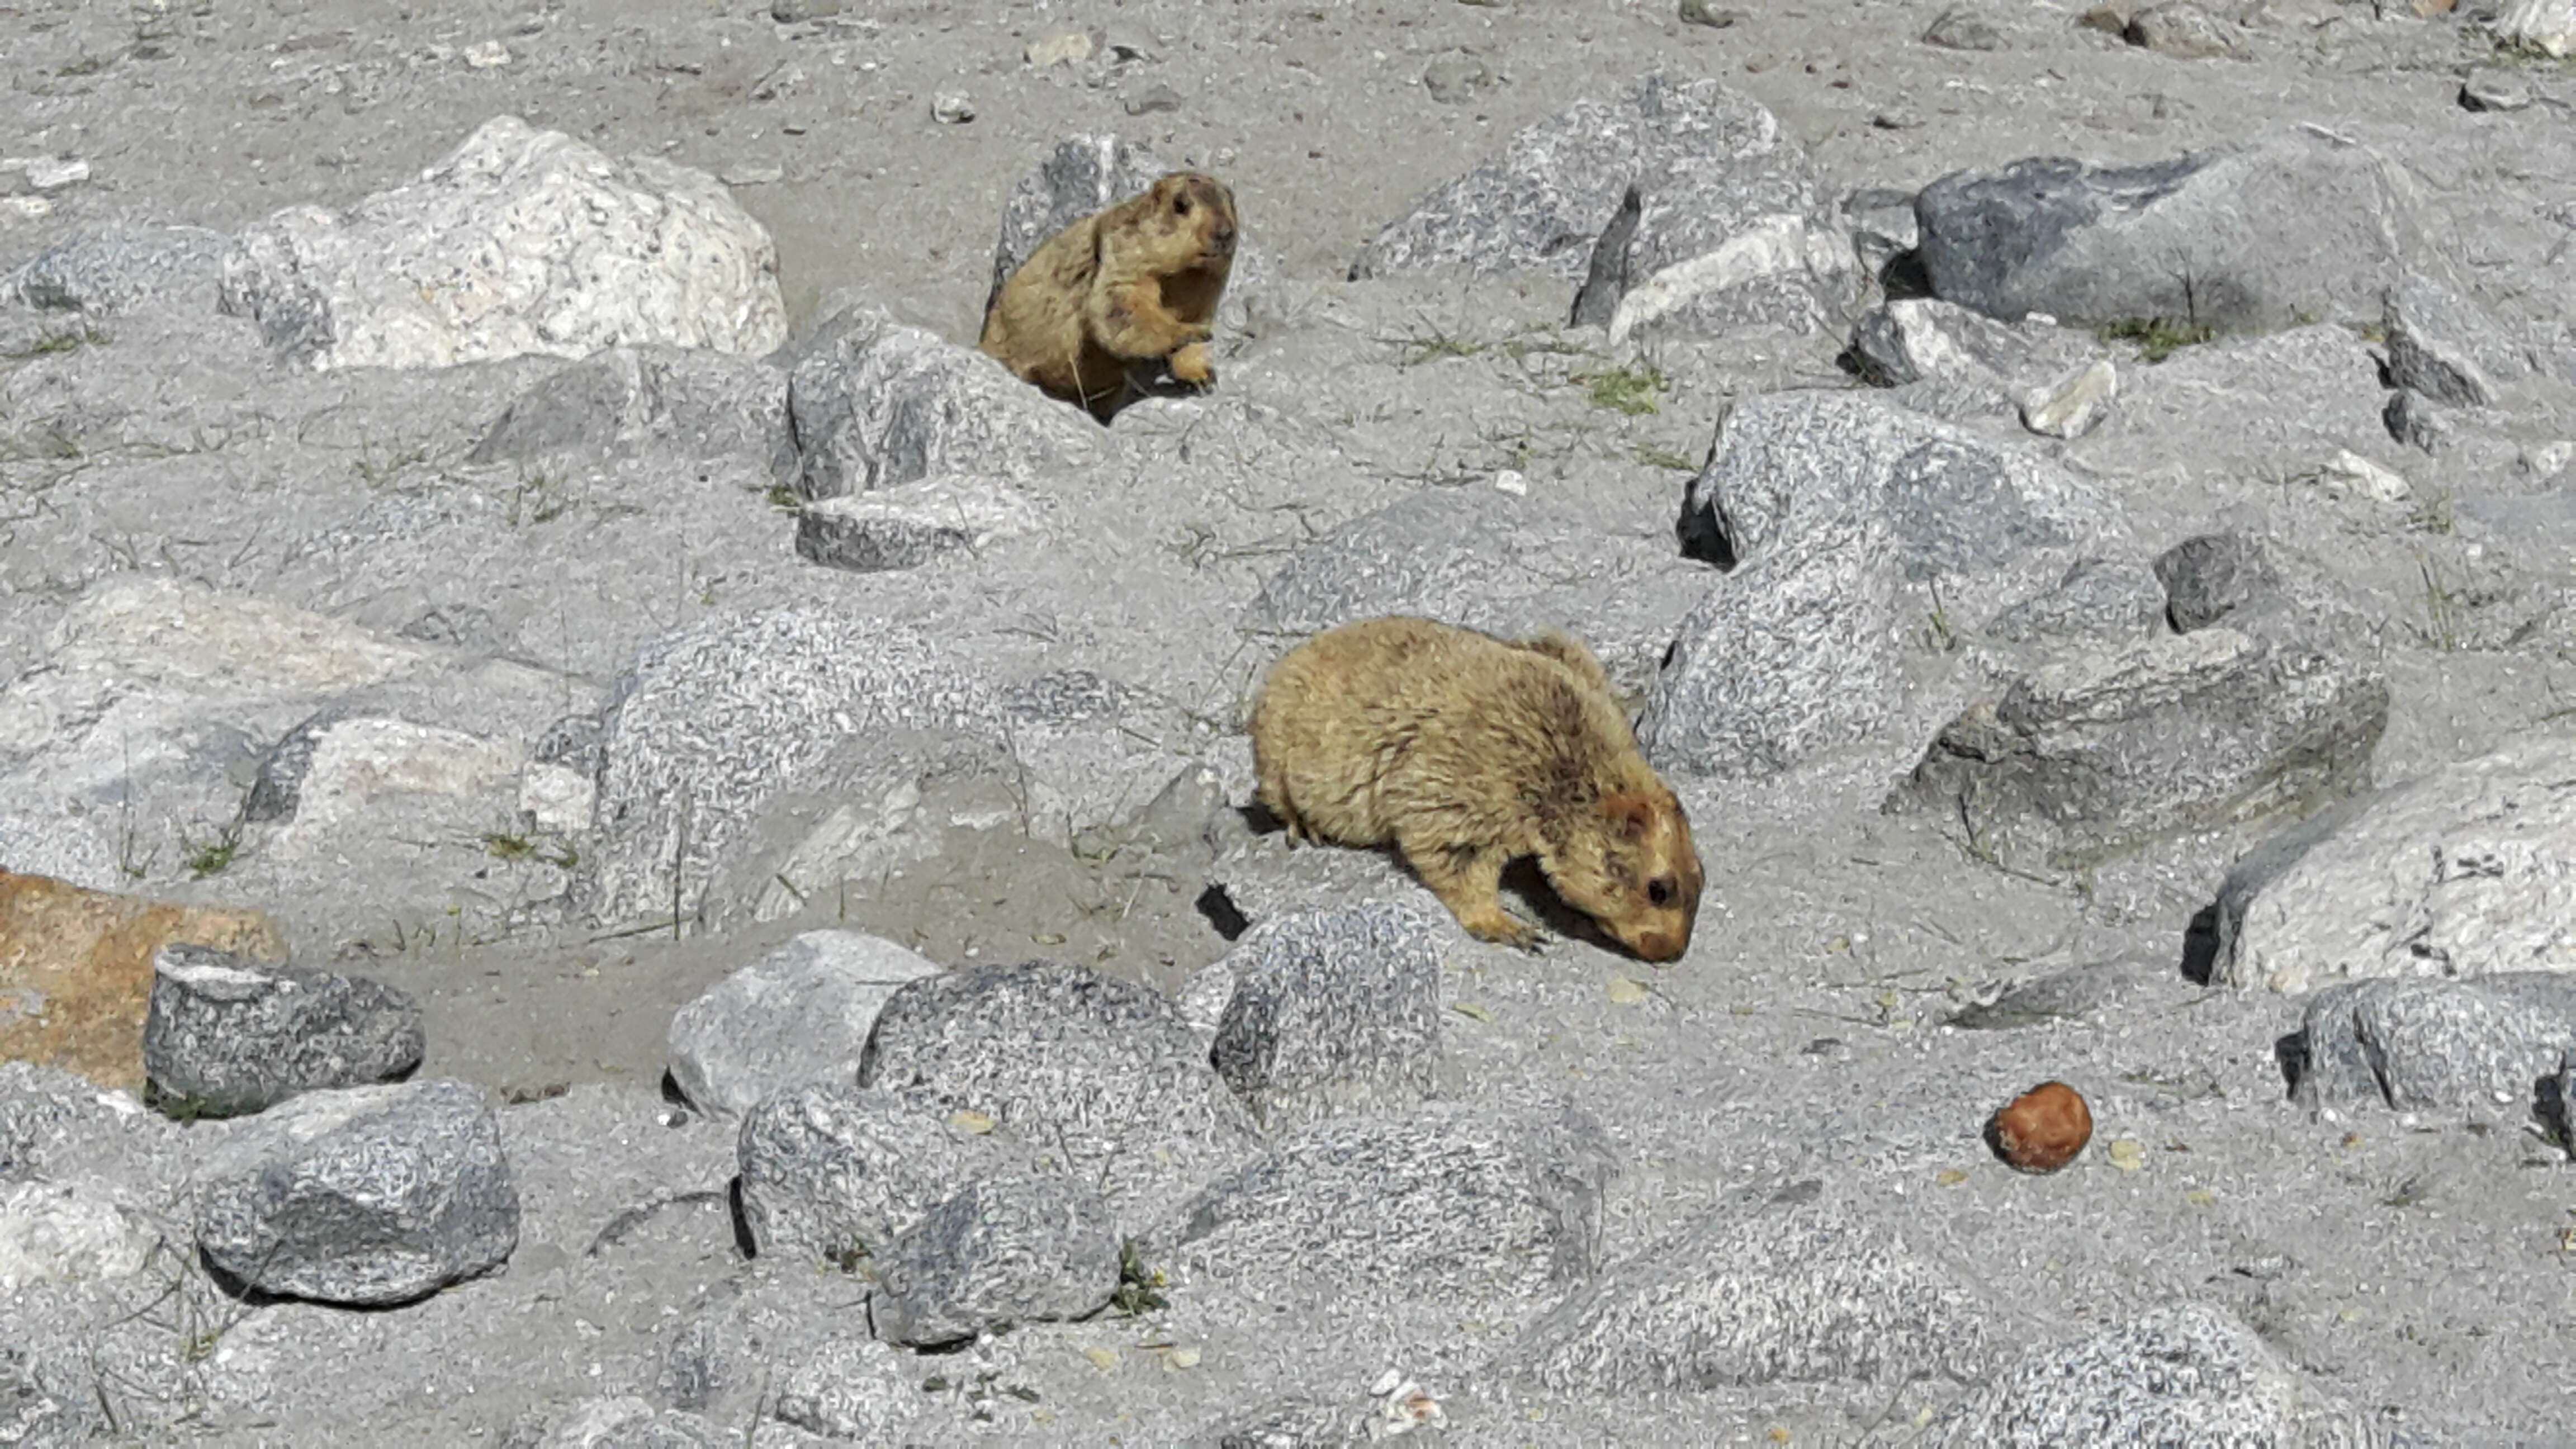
(665, 845)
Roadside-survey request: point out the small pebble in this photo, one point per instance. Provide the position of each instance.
(1152, 99)
(485, 55)
(2489, 89)
(2043, 1129)
(951, 108)
(1700, 12)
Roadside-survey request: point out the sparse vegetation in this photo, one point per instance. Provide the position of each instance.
(1140, 1288)
(1655, 457)
(2158, 338)
(1625, 389)
(1430, 344)
(2444, 608)
(540, 497)
(211, 856)
(784, 499)
(59, 340)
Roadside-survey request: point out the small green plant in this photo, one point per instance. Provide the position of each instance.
(1431, 344)
(2432, 512)
(2158, 337)
(2443, 608)
(1623, 389)
(86, 65)
(211, 856)
(540, 497)
(514, 846)
(379, 468)
(851, 1257)
(1140, 1288)
(1655, 457)
(66, 339)
(784, 499)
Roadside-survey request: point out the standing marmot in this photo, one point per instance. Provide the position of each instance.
(1467, 752)
(1130, 284)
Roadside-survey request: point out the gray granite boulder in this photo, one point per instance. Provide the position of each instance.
(2102, 752)
(1099, 1072)
(2209, 576)
(365, 1196)
(910, 524)
(1729, 225)
(2102, 600)
(2445, 347)
(1449, 1204)
(225, 1035)
(848, 1388)
(2466, 871)
(1006, 1249)
(875, 403)
(798, 1015)
(2293, 225)
(716, 720)
(2410, 1044)
(2187, 1374)
(114, 269)
(1330, 1011)
(1838, 520)
(687, 402)
(1802, 1291)
(829, 1170)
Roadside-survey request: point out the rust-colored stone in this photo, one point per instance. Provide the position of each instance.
(76, 970)
(2042, 1129)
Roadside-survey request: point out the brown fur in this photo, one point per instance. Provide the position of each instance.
(1467, 752)
(1131, 284)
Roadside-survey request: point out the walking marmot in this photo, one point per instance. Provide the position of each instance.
(1467, 752)
(1120, 288)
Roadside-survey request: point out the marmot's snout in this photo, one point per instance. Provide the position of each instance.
(1221, 239)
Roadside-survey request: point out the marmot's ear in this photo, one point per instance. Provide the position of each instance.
(1633, 814)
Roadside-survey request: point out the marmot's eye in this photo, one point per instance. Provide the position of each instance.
(1660, 891)
(1181, 204)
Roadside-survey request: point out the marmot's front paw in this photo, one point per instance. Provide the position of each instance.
(1192, 365)
(1504, 929)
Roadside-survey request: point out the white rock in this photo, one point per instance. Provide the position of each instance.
(1773, 246)
(798, 1015)
(169, 632)
(48, 173)
(484, 55)
(2349, 472)
(2071, 406)
(557, 797)
(25, 208)
(1059, 47)
(2548, 26)
(520, 241)
(952, 108)
(69, 1232)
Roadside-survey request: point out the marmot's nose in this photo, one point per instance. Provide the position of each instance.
(1224, 235)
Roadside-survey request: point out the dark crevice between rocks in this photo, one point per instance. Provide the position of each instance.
(2291, 1054)
(1221, 912)
(2200, 946)
(622, 1226)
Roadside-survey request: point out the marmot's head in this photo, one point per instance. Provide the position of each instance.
(1190, 216)
(1634, 870)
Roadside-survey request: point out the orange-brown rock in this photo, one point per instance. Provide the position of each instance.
(2042, 1129)
(76, 970)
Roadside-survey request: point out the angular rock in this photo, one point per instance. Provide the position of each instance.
(2411, 1044)
(908, 525)
(830, 1170)
(849, 1388)
(2096, 755)
(1006, 1250)
(1331, 1011)
(518, 241)
(371, 1195)
(798, 1015)
(1959, 29)
(1798, 1293)
(2467, 871)
(875, 404)
(2070, 406)
(1448, 1204)
(2547, 26)
(279, 784)
(226, 1035)
(378, 775)
(2106, 600)
(2182, 29)
(691, 402)
(69, 1232)
(1827, 509)
(2416, 421)
(1491, 561)
(34, 1416)
(2445, 347)
(2489, 88)
(2291, 226)
(1911, 339)
(1883, 229)
(76, 973)
(1732, 228)
(2188, 1374)
(1101, 1071)
(2210, 576)
(124, 269)
(717, 719)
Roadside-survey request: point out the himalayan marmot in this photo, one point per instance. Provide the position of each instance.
(1467, 752)
(1122, 288)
